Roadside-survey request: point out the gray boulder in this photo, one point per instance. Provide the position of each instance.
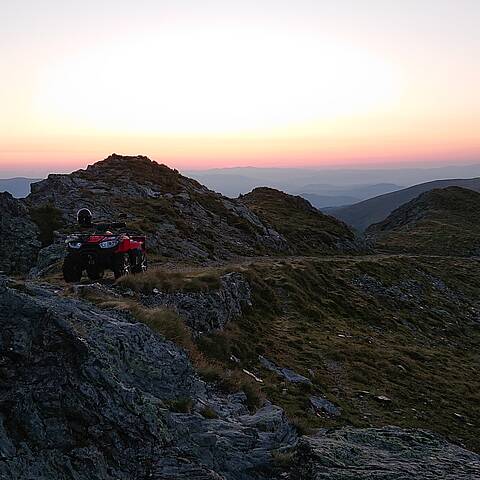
(49, 258)
(287, 373)
(387, 453)
(321, 405)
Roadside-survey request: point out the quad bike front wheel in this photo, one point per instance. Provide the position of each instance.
(72, 270)
(121, 265)
(94, 273)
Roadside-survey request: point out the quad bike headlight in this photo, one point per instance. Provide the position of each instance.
(109, 243)
(75, 245)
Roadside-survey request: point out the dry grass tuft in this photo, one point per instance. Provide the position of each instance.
(173, 281)
(166, 322)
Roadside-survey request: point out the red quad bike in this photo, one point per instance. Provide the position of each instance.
(123, 253)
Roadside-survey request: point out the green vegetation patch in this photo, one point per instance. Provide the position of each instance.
(390, 340)
(48, 219)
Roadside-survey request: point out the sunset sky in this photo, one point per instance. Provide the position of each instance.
(220, 83)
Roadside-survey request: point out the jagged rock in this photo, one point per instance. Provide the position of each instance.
(48, 258)
(243, 447)
(413, 291)
(382, 454)
(211, 310)
(85, 395)
(405, 291)
(322, 405)
(19, 236)
(98, 289)
(287, 373)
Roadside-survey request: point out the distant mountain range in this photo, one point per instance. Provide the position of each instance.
(322, 196)
(19, 187)
(235, 181)
(327, 201)
(374, 210)
(344, 186)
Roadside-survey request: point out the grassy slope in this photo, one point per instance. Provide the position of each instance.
(418, 344)
(304, 227)
(405, 327)
(440, 222)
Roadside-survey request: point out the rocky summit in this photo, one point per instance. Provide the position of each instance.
(182, 218)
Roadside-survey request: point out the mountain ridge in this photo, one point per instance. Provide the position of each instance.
(304, 227)
(182, 218)
(438, 222)
(363, 214)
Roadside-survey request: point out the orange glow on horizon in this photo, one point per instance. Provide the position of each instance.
(238, 84)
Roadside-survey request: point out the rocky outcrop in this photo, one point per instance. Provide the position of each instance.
(382, 454)
(207, 311)
(91, 394)
(19, 236)
(86, 394)
(181, 217)
(49, 258)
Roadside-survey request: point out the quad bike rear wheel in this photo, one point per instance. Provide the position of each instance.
(72, 270)
(121, 265)
(139, 264)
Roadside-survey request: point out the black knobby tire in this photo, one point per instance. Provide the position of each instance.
(140, 263)
(94, 273)
(72, 270)
(121, 265)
